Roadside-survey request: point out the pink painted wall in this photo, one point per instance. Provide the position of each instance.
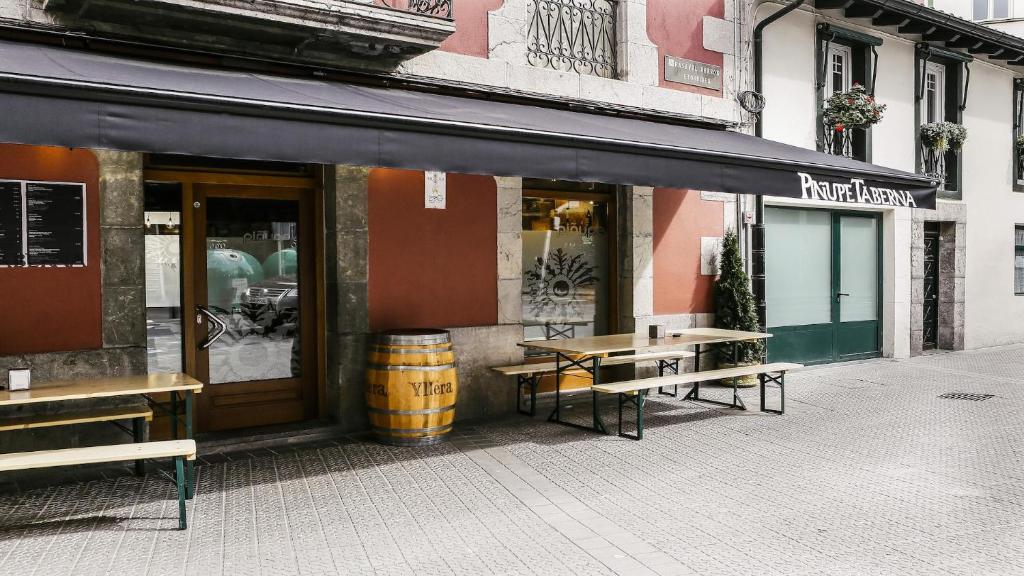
(677, 28)
(680, 219)
(470, 37)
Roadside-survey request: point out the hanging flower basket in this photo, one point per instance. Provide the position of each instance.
(937, 138)
(845, 112)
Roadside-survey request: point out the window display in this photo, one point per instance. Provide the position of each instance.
(565, 267)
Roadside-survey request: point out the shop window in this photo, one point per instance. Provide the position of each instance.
(845, 58)
(1018, 261)
(567, 273)
(163, 277)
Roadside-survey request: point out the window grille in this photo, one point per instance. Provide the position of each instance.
(573, 35)
(1018, 261)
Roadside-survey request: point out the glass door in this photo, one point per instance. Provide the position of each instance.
(254, 300)
(823, 271)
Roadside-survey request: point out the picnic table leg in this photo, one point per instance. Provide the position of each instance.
(179, 475)
(191, 473)
(139, 435)
(736, 402)
(598, 424)
(694, 393)
(174, 417)
(556, 413)
(668, 365)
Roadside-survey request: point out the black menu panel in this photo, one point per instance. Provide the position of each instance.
(11, 248)
(56, 224)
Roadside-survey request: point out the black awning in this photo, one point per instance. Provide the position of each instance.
(56, 96)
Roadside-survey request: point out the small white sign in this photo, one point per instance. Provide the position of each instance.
(748, 217)
(435, 190)
(19, 379)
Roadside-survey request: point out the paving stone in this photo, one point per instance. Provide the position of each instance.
(869, 472)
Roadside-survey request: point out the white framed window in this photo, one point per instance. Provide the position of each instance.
(991, 9)
(933, 103)
(839, 69)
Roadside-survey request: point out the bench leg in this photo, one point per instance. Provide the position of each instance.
(781, 381)
(637, 400)
(531, 381)
(190, 464)
(179, 476)
(672, 365)
(139, 435)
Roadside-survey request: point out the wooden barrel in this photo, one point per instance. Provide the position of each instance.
(411, 387)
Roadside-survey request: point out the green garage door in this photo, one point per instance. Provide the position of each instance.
(823, 276)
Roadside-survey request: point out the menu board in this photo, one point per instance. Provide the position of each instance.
(49, 229)
(12, 241)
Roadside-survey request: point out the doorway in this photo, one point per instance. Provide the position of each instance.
(238, 308)
(823, 285)
(930, 294)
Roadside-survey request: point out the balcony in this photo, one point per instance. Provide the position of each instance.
(374, 34)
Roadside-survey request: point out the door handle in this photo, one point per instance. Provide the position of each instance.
(219, 326)
(838, 294)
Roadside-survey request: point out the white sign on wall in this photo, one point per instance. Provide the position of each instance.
(435, 190)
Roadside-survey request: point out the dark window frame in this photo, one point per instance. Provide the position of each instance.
(864, 71)
(957, 83)
(1018, 130)
(1018, 249)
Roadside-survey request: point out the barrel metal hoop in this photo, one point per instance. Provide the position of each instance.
(438, 350)
(415, 338)
(391, 431)
(411, 412)
(392, 368)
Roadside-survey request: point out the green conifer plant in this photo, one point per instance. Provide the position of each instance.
(735, 307)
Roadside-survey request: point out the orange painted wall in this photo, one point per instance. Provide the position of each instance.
(677, 28)
(432, 268)
(680, 219)
(53, 309)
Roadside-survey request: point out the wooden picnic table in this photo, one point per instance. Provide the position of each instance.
(181, 387)
(586, 354)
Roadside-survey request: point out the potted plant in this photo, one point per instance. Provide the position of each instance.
(936, 139)
(846, 111)
(735, 308)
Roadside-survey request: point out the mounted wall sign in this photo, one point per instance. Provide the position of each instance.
(42, 223)
(435, 190)
(694, 73)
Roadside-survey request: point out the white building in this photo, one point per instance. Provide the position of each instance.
(896, 281)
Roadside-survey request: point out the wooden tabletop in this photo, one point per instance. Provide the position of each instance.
(594, 345)
(60, 390)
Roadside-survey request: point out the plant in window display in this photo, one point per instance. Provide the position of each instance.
(845, 112)
(735, 307)
(1019, 150)
(937, 138)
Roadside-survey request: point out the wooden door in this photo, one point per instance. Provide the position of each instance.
(254, 299)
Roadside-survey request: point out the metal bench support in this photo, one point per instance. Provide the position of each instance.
(531, 380)
(179, 480)
(663, 366)
(781, 381)
(638, 400)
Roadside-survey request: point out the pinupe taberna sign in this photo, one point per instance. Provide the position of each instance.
(862, 191)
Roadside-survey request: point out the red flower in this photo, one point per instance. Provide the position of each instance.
(849, 100)
(840, 127)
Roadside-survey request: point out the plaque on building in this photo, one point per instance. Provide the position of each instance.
(42, 224)
(693, 73)
(12, 241)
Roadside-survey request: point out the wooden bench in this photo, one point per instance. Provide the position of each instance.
(530, 374)
(635, 391)
(178, 450)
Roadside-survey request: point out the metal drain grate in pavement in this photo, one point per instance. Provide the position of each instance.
(966, 396)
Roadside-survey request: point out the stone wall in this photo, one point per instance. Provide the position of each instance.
(124, 317)
(952, 219)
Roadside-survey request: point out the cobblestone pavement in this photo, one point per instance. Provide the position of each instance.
(869, 472)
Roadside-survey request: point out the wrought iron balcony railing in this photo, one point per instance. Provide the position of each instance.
(573, 35)
(440, 8)
(837, 142)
